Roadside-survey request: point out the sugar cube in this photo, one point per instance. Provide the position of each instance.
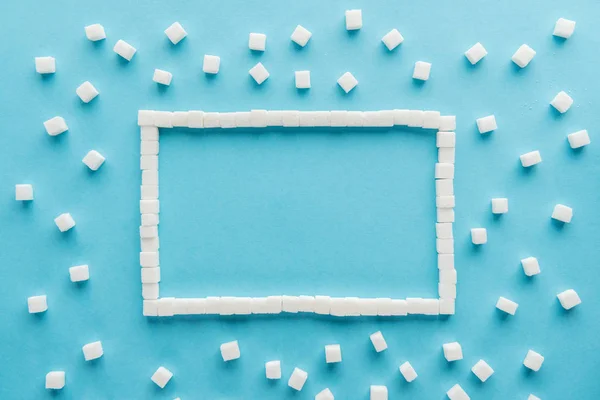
(347, 82)
(457, 393)
(445, 215)
(55, 380)
(324, 394)
(95, 32)
(452, 351)
(487, 124)
(333, 353)
(378, 341)
(302, 79)
(297, 379)
(378, 392)
(500, 205)
(257, 41)
(533, 360)
(523, 56)
(443, 230)
(175, 33)
(445, 201)
(92, 351)
(564, 28)
(445, 139)
(568, 299)
(37, 304)
(482, 370)
(392, 39)
(531, 158)
(562, 102)
(55, 126)
(150, 274)
(211, 64)
(353, 19)
(444, 187)
(408, 372)
(259, 73)
(230, 351)
(479, 235)
(23, 192)
(422, 70)
(64, 222)
(93, 160)
(562, 213)
(446, 155)
(150, 291)
(45, 65)
(273, 369)
(444, 171)
(578, 139)
(79, 273)
(162, 77)
(447, 306)
(161, 377)
(530, 266)
(447, 122)
(506, 305)
(476, 53)
(86, 92)
(301, 35)
(124, 49)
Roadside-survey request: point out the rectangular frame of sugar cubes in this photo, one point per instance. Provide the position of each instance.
(155, 306)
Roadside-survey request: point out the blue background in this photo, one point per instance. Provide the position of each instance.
(341, 213)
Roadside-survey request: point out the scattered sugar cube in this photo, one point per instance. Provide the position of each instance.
(578, 139)
(533, 360)
(347, 82)
(259, 73)
(23, 192)
(482, 370)
(55, 380)
(378, 392)
(230, 351)
(45, 65)
(175, 33)
(162, 77)
(64, 222)
(392, 39)
(562, 102)
(562, 213)
(211, 64)
(86, 92)
(93, 160)
(302, 79)
(333, 353)
(353, 19)
(487, 124)
(479, 235)
(95, 32)
(257, 41)
(523, 56)
(92, 351)
(500, 205)
(452, 351)
(273, 369)
(161, 377)
(531, 158)
(79, 273)
(324, 394)
(55, 126)
(37, 304)
(422, 70)
(476, 53)
(301, 35)
(124, 49)
(568, 299)
(298, 379)
(506, 305)
(408, 372)
(378, 341)
(564, 28)
(530, 266)
(457, 393)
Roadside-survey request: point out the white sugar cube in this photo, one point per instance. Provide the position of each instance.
(479, 235)
(124, 49)
(445, 215)
(445, 261)
(500, 205)
(301, 35)
(150, 274)
(562, 102)
(161, 377)
(64, 222)
(45, 65)
(443, 230)
(79, 273)
(92, 351)
(448, 276)
(447, 122)
(37, 304)
(506, 305)
(422, 70)
(457, 393)
(482, 370)
(259, 73)
(23, 192)
(55, 380)
(444, 201)
(523, 56)
(447, 306)
(564, 28)
(55, 126)
(273, 369)
(408, 372)
(257, 41)
(578, 139)
(444, 171)
(530, 266)
(211, 64)
(93, 160)
(175, 33)
(86, 92)
(531, 158)
(347, 82)
(324, 394)
(378, 341)
(392, 39)
(446, 155)
(353, 19)
(487, 124)
(378, 392)
(444, 187)
(476, 53)
(297, 379)
(533, 360)
(452, 351)
(562, 213)
(333, 353)
(568, 299)
(230, 351)
(302, 79)
(150, 291)
(95, 32)
(445, 139)
(162, 77)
